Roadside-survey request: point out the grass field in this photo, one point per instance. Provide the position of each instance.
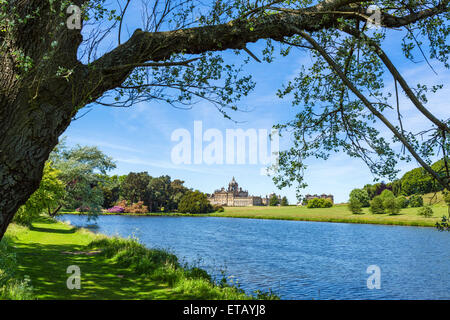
(338, 213)
(111, 268)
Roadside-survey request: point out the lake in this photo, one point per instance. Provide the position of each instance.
(300, 260)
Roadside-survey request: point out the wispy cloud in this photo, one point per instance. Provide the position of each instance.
(103, 144)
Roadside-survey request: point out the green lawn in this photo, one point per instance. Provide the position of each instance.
(338, 213)
(46, 250)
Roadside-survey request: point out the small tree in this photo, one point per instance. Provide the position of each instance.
(402, 202)
(361, 195)
(195, 202)
(387, 194)
(284, 201)
(218, 208)
(391, 205)
(355, 206)
(426, 211)
(274, 201)
(416, 201)
(376, 205)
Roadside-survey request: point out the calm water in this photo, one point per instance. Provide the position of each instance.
(300, 260)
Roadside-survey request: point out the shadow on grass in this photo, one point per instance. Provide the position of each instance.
(50, 230)
(46, 266)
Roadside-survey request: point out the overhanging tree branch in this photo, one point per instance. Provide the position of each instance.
(372, 109)
(397, 76)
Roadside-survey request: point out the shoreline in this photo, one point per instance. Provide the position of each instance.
(407, 217)
(159, 275)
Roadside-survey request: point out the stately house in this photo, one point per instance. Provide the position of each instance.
(234, 196)
(315, 196)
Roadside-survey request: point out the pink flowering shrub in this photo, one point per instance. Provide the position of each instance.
(116, 209)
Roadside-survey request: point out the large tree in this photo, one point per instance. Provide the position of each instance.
(50, 70)
(81, 169)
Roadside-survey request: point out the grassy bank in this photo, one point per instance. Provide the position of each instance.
(338, 213)
(111, 268)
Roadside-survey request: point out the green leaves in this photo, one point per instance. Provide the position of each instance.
(50, 193)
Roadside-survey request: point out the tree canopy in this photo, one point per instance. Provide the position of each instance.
(50, 69)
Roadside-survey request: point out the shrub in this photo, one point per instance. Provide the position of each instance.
(387, 194)
(355, 206)
(11, 288)
(402, 202)
(327, 203)
(361, 195)
(313, 203)
(195, 202)
(218, 208)
(416, 201)
(116, 209)
(391, 206)
(426, 211)
(274, 201)
(319, 203)
(133, 208)
(376, 205)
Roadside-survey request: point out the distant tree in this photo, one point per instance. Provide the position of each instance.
(178, 190)
(446, 194)
(134, 188)
(274, 201)
(319, 203)
(402, 201)
(426, 211)
(380, 187)
(371, 190)
(361, 195)
(284, 201)
(419, 181)
(355, 206)
(416, 201)
(416, 181)
(396, 187)
(387, 194)
(81, 169)
(110, 187)
(391, 206)
(376, 205)
(218, 208)
(195, 202)
(160, 190)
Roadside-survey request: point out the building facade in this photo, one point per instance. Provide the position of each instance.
(234, 196)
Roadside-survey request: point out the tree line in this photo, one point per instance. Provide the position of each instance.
(415, 181)
(77, 179)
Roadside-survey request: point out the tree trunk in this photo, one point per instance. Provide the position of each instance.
(55, 212)
(26, 141)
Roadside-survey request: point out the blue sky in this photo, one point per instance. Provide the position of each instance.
(139, 138)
